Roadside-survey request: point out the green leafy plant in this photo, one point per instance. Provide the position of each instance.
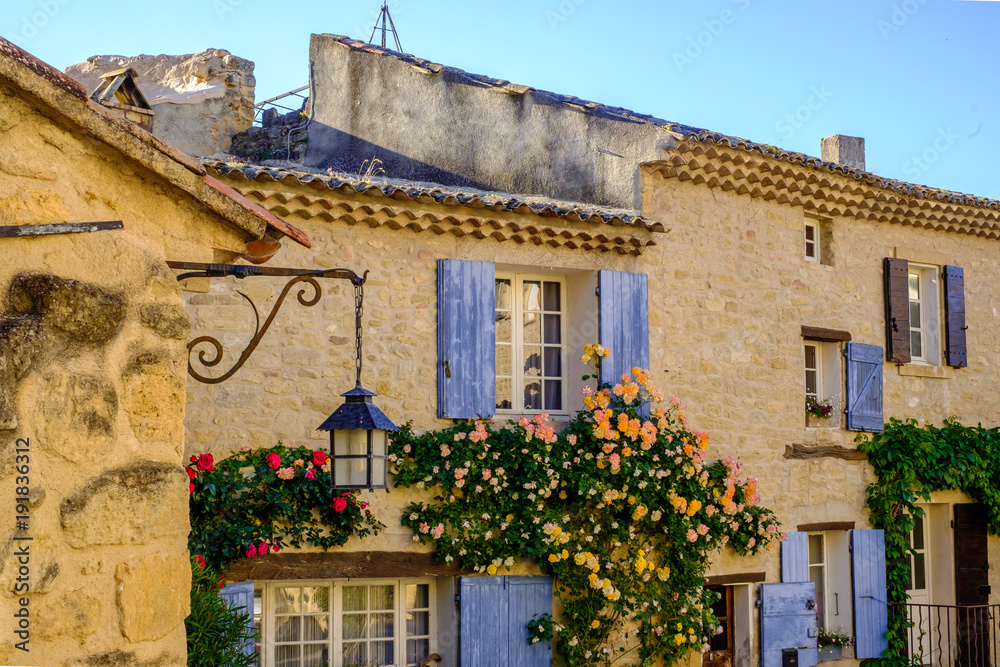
(910, 462)
(541, 628)
(266, 499)
(216, 632)
(621, 508)
(839, 638)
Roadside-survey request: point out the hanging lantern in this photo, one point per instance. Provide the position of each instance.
(359, 431)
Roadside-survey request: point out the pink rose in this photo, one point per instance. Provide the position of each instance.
(311, 473)
(252, 551)
(262, 549)
(206, 463)
(286, 473)
(319, 458)
(273, 460)
(339, 504)
(275, 548)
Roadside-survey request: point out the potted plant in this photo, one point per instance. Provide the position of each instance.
(831, 643)
(818, 413)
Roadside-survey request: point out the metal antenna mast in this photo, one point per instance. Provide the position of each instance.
(387, 26)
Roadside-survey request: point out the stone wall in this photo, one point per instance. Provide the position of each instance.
(92, 358)
(200, 100)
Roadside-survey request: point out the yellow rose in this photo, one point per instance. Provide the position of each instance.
(596, 624)
(564, 554)
(553, 558)
(492, 569)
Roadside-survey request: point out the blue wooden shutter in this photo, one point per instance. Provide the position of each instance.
(954, 316)
(240, 596)
(527, 596)
(871, 617)
(466, 339)
(788, 620)
(896, 280)
(864, 388)
(482, 622)
(623, 322)
(795, 558)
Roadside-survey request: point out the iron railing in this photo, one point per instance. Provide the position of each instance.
(273, 102)
(954, 636)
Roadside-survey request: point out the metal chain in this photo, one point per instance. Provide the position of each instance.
(359, 300)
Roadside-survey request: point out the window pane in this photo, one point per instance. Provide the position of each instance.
(315, 599)
(811, 384)
(553, 394)
(418, 596)
(914, 284)
(417, 650)
(919, 573)
(381, 625)
(815, 549)
(288, 629)
(502, 288)
(532, 395)
(810, 356)
(383, 653)
(418, 623)
(553, 361)
(315, 655)
(915, 322)
(532, 328)
(286, 601)
(355, 654)
(504, 327)
(553, 328)
(504, 398)
(916, 344)
(532, 294)
(315, 628)
(810, 249)
(503, 360)
(355, 598)
(816, 576)
(810, 233)
(551, 300)
(533, 361)
(918, 532)
(355, 626)
(287, 656)
(383, 597)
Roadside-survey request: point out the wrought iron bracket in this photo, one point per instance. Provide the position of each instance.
(241, 271)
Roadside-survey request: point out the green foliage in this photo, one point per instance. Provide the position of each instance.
(216, 633)
(910, 462)
(263, 500)
(623, 511)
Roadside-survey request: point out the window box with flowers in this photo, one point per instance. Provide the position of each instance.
(831, 643)
(819, 414)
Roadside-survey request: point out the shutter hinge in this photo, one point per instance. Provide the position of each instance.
(458, 599)
(447, 369)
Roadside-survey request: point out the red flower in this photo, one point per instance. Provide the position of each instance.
(262, 549)
(191, 487)
(201, 561)
(222, 581)
(206, 463)
(364, 506)
(273, 460)
(311, 473)
(194, 459)
(252, 551)
(275, 548)
(191, 473)
(319, 458)
(339, 504)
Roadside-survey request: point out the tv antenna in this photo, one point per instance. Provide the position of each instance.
(387, 26)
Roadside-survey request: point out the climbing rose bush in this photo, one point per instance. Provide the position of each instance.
(260, 501)
(621, 508)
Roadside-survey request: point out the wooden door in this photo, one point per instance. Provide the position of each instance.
(972, 585)
(721, 646)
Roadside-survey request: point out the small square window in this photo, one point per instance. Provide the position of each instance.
(925, 330)
(817, 240)
(822, 378)
(811, 240)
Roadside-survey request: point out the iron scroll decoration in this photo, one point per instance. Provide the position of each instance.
(240, 271)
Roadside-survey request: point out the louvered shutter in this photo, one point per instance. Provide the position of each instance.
(466, 339)
(788, 620)
(240, 596)
(493, 621)
(864, 388)
(897, 309)
(954, 316)
(871, 618)
(795, 558)
(527, 597)
(623, 322)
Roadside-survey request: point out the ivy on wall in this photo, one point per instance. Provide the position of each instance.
(910, 462)
(623, 510)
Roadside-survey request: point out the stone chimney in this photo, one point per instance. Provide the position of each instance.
(844, 150)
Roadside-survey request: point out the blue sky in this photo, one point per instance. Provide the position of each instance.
(917, 78)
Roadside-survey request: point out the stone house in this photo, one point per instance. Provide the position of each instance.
(94, 567)
(748, 279)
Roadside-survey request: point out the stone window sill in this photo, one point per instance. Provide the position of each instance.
(926, 371)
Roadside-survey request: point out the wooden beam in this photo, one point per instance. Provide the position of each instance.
(797, 451)
(827, 525)
(741, 578)
(340, 565)
(59, 228)
(825, 335)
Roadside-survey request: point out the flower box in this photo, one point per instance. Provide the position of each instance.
(812, 421)
(830, 653)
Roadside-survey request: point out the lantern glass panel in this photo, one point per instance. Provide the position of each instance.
(350, 472)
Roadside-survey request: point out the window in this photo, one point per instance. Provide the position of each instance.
(813, 372)
(530, 351)
(811, 240)
(817, 574)
(356, 622)
(822, 363)
(918, 559)
(923, 294)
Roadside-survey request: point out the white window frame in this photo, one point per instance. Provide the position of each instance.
(335, 640)
(929, 326)
(517, 343)
(922, 522)
(813, 225)
(817, 349)
(821, 586)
